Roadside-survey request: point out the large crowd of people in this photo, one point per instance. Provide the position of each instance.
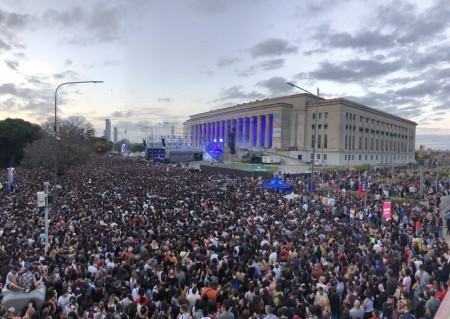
(133, 240)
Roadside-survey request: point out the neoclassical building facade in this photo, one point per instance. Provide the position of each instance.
(348, 133)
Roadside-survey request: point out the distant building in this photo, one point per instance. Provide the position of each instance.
(348, 133)
(108, 130)
(116, 135)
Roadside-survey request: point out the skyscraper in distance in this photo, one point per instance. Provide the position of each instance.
(116, 134)
(108, 130)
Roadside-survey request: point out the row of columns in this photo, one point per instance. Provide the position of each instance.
(247, 132)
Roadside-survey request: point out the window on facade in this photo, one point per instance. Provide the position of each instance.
(345, 142)
(314, 115)
(346, 115)
(371, 144)
(365, 144)
(353, 157)
(325, 141)
(360, 118)
(367, 120)
(320, 115)
(354, 117)
(326, 115)
(360, 157)
(353, 142)
(376, 145)
(324, 157)
(319, 141)
(371, 157)
(312, 140)
(365, 157)
(345, 157)
(318, 155)
(359, 142)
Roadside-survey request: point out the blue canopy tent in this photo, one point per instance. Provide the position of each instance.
(278, 185)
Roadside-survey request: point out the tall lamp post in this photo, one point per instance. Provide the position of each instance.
(55, 141)
(316, 98)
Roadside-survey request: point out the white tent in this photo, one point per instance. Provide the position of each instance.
(291, 196)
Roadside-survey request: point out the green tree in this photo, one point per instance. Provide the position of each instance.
(76, 144)
(15, 134)
(138, 147)
(100, 145)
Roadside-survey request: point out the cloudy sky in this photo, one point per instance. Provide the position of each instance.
(164, 60)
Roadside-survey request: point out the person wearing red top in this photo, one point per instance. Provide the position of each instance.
(441, 294)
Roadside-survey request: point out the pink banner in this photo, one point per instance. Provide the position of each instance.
(387, 210)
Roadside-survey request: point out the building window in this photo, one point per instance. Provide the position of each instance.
(346, 115)
(320, 115)
(324, 157)
(360, 118)
(371, 144)
(325, 141)
(312, 156)
(319, 141)
(371, 157)
(325, 126)
(376, 157)
(318, 155)
(345, 143)
(326, 115)
(354, 117)
(360, 157)
(319, 126)
(314, 116)
(353, 142)
(312, 140)
(359, 142)
(345, 157)
(376, 145)
(353, 157)
(365, 144)
(367, 120)
(365, 157)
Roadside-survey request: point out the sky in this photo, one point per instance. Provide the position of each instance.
(165, 60)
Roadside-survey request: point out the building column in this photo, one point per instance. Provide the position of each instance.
(251, 135)
(225, 134)
(218, 130)
(239, 132)
(267, 133)
(259, 132)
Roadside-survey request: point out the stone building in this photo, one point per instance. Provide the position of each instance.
(348, 133)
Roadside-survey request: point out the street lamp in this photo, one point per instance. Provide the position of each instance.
(55, 141)
(316, 98)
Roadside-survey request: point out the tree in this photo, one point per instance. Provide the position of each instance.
(100, 145)
(138, 147)
(75, 144)
(15, 134)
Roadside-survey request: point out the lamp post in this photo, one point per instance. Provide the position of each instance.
(55, 141)
(316, 98)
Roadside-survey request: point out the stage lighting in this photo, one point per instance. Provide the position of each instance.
(221, 140)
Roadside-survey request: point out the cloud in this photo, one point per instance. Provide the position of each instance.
(226, 61)
(366, 40)
(110, 63)
(358, 70)
(13, 65)
(68, 62)
(276, 85)
(100, 24)
(272, 47)
(237, 92)
(119, 114)
(272, 64)
(10, 24)
(4, 46)
(166, 99)
(69, 74)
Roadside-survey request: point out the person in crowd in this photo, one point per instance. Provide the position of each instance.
(129, 239)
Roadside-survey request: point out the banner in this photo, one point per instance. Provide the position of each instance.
(387, 210)
(276, 126)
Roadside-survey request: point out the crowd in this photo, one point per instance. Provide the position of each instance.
(132, 240)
